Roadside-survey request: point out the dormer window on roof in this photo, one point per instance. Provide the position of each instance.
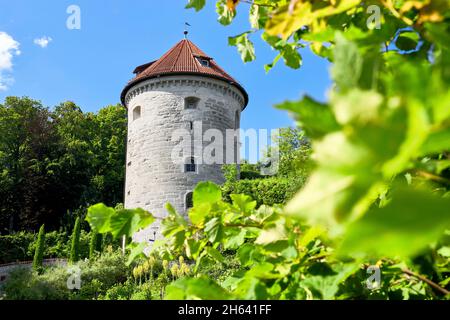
(203, 62)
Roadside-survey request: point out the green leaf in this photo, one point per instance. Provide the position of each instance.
(291, 17)
(315, 118)
(291, 56)
(251, 288)
(348, 64)
(437, 142)
(234, 238)
(445, 252)
(258, 16)
(272, 235)
(288, 51)
(275, 42)
(99, 217)
(201, 288)
(173, 224)
(127, 222)
(263, 270)
(226, 16)
(214, 230)
(326, 287)
(196, 4)
(244, 46)
(198, 214)
(193, 248)
(136, 251)
(310, 235)
(246, 253)
(243, 202)
(206, 193)
(215, 254)
(412, 220)
(269, 66)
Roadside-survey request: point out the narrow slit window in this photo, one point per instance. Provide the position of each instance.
(191, 103)
(189, 202)
(136, 113)
(190, 166)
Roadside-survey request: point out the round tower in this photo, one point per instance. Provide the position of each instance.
(184, 91)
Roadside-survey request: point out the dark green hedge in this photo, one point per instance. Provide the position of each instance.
(21, 246)
(268, 191)
(15, 247)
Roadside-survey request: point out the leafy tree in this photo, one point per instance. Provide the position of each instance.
(75, 248)
(40, 247)
(27, 149)
(294, 166)
(55, 163)
(294, 151)
(109, 140)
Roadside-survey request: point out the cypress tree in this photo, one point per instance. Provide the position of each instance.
(99, 243)
(39, 252)
(95, 244)
(75, 249)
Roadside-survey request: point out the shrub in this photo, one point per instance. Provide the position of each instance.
(58, 244)
(21, 246)
(100, 274)
(39, 253)
(143, 292)
(14, 247)
(23, 284)
(120, 291)
(268, 191)
(97, 276)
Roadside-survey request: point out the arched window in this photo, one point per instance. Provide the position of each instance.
(191, 103)
(236, 120)
(189, 202)
(190, 165)
(136, 113)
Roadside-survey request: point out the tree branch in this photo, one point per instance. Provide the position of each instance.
(427, 281)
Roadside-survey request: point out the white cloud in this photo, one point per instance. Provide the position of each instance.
(43, 42)
(8, 49)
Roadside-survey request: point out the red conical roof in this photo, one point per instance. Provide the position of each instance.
(183, 58)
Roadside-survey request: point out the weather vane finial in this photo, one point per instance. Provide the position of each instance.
(186, 25)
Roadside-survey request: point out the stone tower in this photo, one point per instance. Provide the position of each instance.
(184, 89)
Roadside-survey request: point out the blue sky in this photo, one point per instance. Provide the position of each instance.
(90, 66)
